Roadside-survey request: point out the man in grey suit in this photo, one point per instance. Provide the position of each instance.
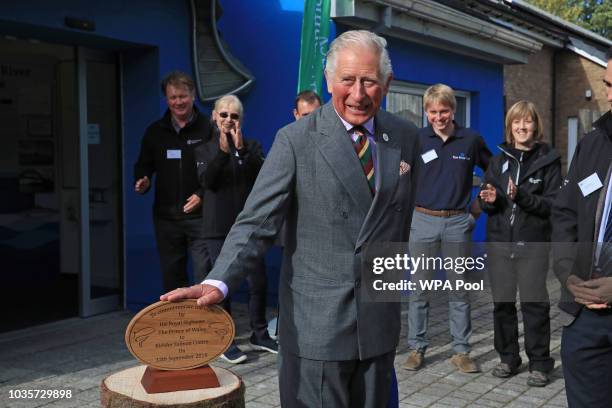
(336, 348)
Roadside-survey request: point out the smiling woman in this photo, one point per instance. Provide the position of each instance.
(227, 115)
(523, 126)
(520, 185)
(228, 165)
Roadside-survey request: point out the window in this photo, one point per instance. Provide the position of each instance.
(406, 100)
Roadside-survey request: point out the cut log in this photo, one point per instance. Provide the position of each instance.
(124, 390)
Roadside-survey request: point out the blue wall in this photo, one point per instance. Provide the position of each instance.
(154, 37)
(484, 81)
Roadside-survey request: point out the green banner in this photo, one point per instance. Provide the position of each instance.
(315, 34)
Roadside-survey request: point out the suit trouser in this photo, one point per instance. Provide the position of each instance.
(174, 239)
(529, 276)
(306, 383)
(257, 282)
(586, 354)
(432, 236)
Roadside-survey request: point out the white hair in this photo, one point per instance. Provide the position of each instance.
(229, 100)
(360, 38)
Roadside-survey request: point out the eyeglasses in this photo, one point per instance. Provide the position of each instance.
(233, 116)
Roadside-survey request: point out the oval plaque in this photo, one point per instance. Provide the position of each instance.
(179, 335)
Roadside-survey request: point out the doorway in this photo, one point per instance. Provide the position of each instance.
(61, 248)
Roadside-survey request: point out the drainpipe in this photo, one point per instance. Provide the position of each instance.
(384, 20)
(553, 93)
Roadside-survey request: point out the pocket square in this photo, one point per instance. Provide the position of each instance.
(404, 168)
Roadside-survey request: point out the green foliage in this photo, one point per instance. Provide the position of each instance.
(594, 15)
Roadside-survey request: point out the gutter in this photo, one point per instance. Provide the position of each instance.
(522, 4)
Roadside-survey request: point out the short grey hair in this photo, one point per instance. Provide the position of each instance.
(229, 100)
(360, 38)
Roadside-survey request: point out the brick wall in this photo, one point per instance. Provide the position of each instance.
(532, 82)
(575, 75)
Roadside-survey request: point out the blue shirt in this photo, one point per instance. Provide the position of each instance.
(445, 177)
(604, 220)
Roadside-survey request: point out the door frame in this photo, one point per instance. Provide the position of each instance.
(89, 306)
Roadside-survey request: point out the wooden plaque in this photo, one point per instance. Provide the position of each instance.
(179, 335)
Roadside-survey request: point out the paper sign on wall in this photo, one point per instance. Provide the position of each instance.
(93, 133)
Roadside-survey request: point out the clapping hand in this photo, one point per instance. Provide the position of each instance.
(142, 185)
(488, 194)
(237, 136)
(512, 189)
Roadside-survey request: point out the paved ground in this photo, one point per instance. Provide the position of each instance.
(77, 354)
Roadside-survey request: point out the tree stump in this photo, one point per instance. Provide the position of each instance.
(124, 390)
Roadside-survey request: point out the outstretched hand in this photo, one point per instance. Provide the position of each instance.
(205, 294)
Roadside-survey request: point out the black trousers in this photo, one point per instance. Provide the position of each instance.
(257, 282)
(175, 238)
(586, 353)
(528, 275)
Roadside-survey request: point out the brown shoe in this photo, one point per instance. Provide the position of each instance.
(414, 361)
(464, 363)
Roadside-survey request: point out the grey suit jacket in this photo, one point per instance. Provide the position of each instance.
(312, 179)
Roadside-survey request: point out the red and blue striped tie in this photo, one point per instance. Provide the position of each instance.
(363, 149)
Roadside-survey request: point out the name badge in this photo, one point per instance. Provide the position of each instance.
(505, 166)
(429, 156)
(590, 184)
(173, 154)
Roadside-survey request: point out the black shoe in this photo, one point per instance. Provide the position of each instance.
(234, 355)
(503, 370)
(264, 343)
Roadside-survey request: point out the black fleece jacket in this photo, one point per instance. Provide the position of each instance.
(169, 155)
(227, 180)
(537, 175)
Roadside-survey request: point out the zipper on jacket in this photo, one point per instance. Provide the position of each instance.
(518, 175)
(513, 211)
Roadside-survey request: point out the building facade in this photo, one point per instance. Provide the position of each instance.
(80, 82)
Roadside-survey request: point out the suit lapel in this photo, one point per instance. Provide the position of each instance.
(336, 148)
(388, 158)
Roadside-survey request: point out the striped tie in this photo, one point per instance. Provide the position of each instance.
(605, 256)
(364, 152)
